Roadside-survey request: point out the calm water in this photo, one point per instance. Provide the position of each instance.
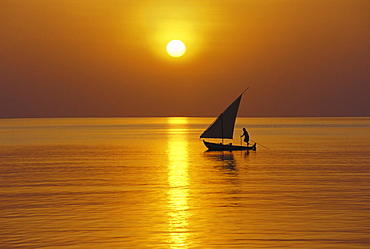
(148, 183)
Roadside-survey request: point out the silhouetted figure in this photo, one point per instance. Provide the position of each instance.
(246, 136)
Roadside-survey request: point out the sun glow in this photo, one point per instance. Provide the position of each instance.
(164, 21)
(176, 48)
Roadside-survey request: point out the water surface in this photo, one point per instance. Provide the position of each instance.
(148, 183)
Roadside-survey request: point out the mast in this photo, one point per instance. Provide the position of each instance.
(222, 128)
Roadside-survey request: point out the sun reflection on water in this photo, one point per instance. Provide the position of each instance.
(178, 181)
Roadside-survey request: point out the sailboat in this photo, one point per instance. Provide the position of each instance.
(223, 127)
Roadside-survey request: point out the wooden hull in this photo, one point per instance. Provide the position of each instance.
(227, 147)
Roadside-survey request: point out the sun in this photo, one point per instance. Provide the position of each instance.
(176, 48)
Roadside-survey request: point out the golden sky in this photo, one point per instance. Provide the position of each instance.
(108, 58)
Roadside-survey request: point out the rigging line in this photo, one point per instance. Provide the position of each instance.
(245, 90)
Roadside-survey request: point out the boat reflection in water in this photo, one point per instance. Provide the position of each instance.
(226, 158)
(178, 181)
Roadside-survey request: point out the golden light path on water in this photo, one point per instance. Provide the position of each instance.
(178, 180)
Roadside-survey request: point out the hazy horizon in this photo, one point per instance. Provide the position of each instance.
(210, 117)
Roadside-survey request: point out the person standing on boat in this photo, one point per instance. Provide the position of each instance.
(246, 136)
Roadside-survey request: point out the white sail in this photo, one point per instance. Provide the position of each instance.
(223, 126)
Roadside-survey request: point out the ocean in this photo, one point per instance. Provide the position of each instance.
(150, 183)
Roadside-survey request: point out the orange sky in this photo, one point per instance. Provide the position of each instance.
(107, 58)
